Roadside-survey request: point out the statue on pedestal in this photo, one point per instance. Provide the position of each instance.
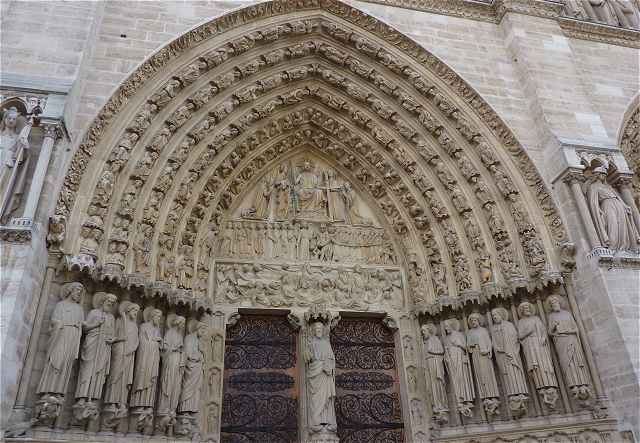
(458, 366)
(564, 330)
(95, 356)
(14, 160)
(507, 350)
(480, 348)
(611, 216)
(320, 376)
(145, 379)
(123, 351)
(434, 355)
(63, 347)
(533, 337)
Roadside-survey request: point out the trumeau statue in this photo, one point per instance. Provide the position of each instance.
(95, 355)
(143, 394)
(320, 378)
(123, 352)
(172, 370)
(507, 350)
(434, 355)
(564, 330)
(63, 347)
(533, 337)
(480, 348)
(611, 216)
(458, 366)
(14, 160)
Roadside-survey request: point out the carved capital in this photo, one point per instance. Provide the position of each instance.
(572, 176)
(52, 130)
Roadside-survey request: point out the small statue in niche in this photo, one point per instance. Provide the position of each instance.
(480, 348)
(95, 356)
(564, 330)
(189, 403)
(533, 337)
(14, 160)
(507, 349)
(434, 353)
(123, 352)
(65, 330)
(458, 366)
(611, 216)
(321, 389)
(146, 368)
(172, 370)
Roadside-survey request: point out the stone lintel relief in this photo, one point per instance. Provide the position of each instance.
(339, 286)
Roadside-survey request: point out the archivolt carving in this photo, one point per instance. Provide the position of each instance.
(411, 134)
(630, 143)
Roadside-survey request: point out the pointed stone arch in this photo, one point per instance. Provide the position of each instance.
(629, 141)
(458, 188)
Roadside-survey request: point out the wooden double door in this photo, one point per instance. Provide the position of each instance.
(262, 388)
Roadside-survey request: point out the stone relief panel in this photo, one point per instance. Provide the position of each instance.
(288, 285)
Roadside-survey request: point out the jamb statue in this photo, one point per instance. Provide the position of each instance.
(63, 347)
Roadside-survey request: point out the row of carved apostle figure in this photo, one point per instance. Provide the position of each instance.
(122, 364)
(465, 357)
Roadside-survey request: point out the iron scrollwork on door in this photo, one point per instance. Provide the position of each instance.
(260, 388)
(368, 400)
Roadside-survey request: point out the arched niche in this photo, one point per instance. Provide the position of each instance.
(171, 154)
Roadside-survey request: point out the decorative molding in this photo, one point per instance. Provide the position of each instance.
(15, 234)
(493, 11)
(598, 32)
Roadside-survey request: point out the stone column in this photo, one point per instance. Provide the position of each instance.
(211, 412)
(415, 408)
(624, 184)
(20, 412)
(574, 179)
(37, 182)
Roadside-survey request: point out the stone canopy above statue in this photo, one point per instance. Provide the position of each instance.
(305, 188)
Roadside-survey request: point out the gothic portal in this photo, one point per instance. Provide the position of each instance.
(294, 224)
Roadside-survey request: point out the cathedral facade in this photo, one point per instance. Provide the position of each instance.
(320, 221)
